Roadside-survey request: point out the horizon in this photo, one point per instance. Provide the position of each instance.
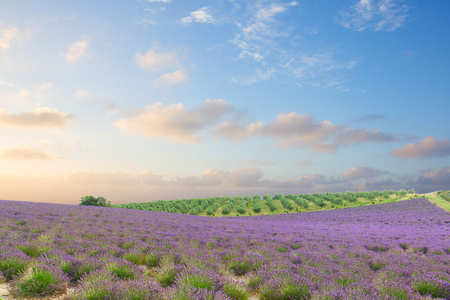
(150, 100)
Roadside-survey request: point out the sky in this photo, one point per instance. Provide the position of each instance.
(147, 100)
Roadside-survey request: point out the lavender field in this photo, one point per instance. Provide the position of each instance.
(387, 251)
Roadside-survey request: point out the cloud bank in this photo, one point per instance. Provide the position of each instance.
(174, 121)
(428, 147)
(293, 130)
(40, 118)
(24, 152)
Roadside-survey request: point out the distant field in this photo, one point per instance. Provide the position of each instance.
(267, 204)
(397, 250)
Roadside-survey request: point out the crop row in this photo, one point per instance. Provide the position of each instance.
(226, 206)
(444, 195)
(398, 250)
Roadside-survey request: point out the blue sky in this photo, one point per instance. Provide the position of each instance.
(168, 99)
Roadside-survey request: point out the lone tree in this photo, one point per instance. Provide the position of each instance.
(92, 201)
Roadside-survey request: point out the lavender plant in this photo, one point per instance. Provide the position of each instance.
(43, 281)
(387, 251)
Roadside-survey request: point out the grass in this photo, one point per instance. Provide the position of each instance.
(436, 199)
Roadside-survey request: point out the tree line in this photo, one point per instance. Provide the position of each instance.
(246, 205)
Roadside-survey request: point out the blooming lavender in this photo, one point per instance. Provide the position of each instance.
(387, 251)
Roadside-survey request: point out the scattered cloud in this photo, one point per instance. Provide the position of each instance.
(428, 147)
(291, 127)
(377, 15)
(76, 51)
(155, 60)
(23, 152)
(172, 78)
(433, 180)
(159, 1)
(319, 69)
(358, 136)
(167, 63)
(40, 118)
(13, 95)
(303, 163)
(260, 41)
(362, 173)
(8, 36)
(256, 38)
(199, 16)
(174, 121)
(292, 130)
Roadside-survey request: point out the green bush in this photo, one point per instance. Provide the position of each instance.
(44, 281)
(12, 267)
(92, 201)
(235, 292)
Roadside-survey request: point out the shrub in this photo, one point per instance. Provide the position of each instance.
(376, 265)
(240, 268)
(166, 276)
(44, 281)
(123, 270)
(255, 282)
(12, 264)
(195, 279)
(92, 201)
(235, 291)
(97, 285)
(83, 267)
(434, 287)
(152, 260)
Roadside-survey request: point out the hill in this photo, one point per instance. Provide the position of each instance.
(242, 206)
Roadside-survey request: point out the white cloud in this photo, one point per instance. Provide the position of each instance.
(168, 62)
(7, 36)
(39, 118)
(362, 173)
(433, 180)
(76, 51)
(358, 136)
(199, 16)
(260, 40)
(377, 15)
(292, 130)
(428, 147)
(24, 152)
(159, 1)
(154, 60)
(174, 121)
(172, 78)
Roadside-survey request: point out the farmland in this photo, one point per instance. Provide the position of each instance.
(397, 250)
(246, 205)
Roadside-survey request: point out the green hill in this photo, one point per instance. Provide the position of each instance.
(267, 204)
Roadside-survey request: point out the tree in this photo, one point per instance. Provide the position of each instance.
(92, 201)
